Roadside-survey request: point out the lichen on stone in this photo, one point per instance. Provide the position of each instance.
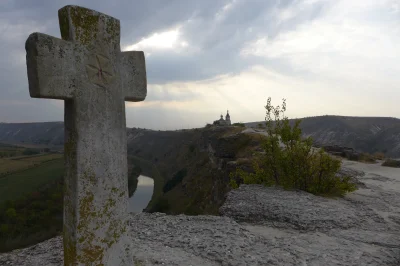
(90, 177)
(63, 21)
(70, 146)
(69, 249)
(91, 253)
(114, 232)
(48, 42)
(85, 23)
(113, 29)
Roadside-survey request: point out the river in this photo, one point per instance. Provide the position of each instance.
(142, 195)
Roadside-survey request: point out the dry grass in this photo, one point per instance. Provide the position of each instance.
(8, 166)
(43, 158)
(367, 158)
(17, 164)
(379, 155)
(20, 183)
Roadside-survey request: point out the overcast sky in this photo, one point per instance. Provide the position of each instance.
(203, 57)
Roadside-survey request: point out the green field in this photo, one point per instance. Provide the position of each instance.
(9, 150)
(17, 164)
(8, 166)
(18, 184)
(31, 199)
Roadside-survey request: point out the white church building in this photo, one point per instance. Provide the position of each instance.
(222, 121)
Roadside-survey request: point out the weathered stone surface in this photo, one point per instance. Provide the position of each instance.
(297, 209)
(88, 70)
(353, 174)
(206, 240)
(369, 236)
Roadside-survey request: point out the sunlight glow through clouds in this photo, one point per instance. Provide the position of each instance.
(245, 95)
(163, 40)
(349, 53)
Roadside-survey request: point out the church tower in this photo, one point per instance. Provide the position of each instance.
(228, 118)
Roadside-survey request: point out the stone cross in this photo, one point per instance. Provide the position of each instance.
(87, 69)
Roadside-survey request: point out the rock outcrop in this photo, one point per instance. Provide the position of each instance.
(267, 226)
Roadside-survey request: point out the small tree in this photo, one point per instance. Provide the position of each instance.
(290, 161)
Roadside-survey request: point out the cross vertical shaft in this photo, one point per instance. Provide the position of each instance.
(87, 70)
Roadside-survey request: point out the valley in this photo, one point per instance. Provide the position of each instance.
(190, 168)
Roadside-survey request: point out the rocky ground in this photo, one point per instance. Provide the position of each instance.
(267, 226)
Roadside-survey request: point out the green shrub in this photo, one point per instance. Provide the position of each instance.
(291, 162)
(391, 163)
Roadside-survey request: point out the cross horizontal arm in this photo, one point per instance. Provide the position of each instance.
(133, 76)
(51, 70)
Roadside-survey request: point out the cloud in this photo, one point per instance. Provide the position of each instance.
(346, 44)
(159, 41)
(204, 57)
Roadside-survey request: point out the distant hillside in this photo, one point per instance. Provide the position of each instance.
(5, 145)
(364, 134)
(191, 167)
(42, 134)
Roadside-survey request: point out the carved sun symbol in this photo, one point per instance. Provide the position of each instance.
(99, 70)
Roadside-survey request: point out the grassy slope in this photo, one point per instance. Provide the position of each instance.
(18, 184)
(8, 166)
(17, 164)
(32, 186)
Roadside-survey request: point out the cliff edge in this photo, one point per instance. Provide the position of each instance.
(267, 226)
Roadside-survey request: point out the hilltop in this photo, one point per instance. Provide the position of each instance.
(49, 134)
(364, 134)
